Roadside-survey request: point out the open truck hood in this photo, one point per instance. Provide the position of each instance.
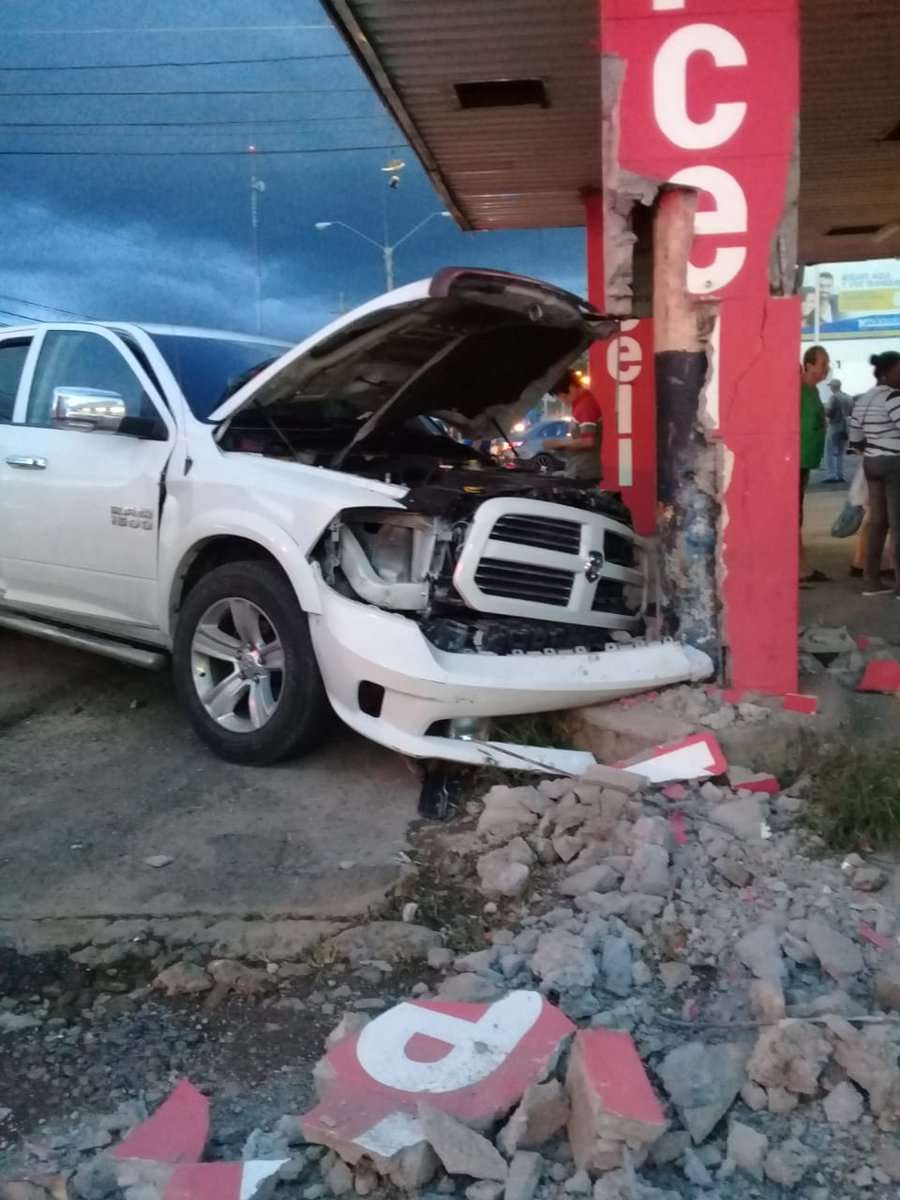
(472, 346)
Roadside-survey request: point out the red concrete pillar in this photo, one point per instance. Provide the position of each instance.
(708, 99)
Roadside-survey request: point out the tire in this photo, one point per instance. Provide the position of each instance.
(253, 706)
(545, 461)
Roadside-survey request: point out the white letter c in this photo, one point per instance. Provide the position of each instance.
(670, 87)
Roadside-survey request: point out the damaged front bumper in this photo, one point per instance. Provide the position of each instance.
(389, 683)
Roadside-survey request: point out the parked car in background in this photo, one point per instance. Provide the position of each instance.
(530, 446)
(297, 535)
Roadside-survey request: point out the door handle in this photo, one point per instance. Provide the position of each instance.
(27, 462)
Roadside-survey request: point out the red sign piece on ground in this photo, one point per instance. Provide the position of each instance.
(879, 940)
(696, 757)
(473, 1061)
(882, 675)
(613, 1104)
(176, 1133)
(195, 1181)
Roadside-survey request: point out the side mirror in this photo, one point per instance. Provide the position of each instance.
(95, 409)
(87, 408)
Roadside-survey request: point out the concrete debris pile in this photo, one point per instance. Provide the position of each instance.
(618, 732)
(671, 1010)
(864, 663)
(672, 999)
(689, 918)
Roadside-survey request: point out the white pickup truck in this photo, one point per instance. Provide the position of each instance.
(308, 529)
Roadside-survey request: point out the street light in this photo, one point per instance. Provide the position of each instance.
(257, 187)
(387, 249)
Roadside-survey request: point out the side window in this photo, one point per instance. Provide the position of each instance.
(561, 429)
(92, 375)
(12, 360)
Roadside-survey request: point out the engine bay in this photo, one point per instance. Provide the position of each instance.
(406, 560)
(411, 562)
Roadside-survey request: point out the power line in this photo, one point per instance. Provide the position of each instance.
(187, 124)
(50, 307)
(186, 153)
(19, 316)
(166, 29)
(201, 62)
(208, 92)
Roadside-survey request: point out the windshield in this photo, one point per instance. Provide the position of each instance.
(209, 369)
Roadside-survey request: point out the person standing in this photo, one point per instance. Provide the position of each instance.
(875, 429)
(812, 436)
(581, 450)
(837, 413)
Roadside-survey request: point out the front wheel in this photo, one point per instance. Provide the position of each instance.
(545, 462)
(244, 666)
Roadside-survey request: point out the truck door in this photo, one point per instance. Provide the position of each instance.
(80, 480)
(13, 354)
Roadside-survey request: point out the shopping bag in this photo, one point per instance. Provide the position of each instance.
(848, 520)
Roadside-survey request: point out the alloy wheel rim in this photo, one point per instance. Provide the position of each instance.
(237, 665)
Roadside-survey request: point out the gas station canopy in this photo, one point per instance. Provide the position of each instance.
(501, 102)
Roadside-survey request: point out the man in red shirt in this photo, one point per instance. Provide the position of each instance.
(581, 449)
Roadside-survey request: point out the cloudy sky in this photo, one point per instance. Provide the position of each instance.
(126, 189)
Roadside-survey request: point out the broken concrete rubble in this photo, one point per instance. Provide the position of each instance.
(593, 879)
(790, 1055)
(614, 1108)
(542, 1112)
(743, 817)
(767, 1001)
(870, 1061)
(524, 1176)
(843, 1105)
(505, 871)
(747, 1148)
(460, 1149)
(702, 1081)
(827, 640)
(183, 979)
(509, 811)
(887, 986)
(839, 956)
(788, 1163)
(648, 872)
(563, 962)
(629, 782)
(760, 952)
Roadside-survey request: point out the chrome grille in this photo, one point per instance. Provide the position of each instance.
(544, 533)
(519, 581)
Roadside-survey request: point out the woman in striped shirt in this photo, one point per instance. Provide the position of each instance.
(875, 429)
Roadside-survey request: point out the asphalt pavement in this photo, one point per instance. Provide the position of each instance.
(99, 771)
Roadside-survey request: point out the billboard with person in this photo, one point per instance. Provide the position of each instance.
(852, 299)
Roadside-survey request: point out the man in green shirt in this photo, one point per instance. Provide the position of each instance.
(812, 435)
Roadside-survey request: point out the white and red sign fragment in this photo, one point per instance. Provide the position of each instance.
(165, 1151)
(697, 757)
(473, 1061)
